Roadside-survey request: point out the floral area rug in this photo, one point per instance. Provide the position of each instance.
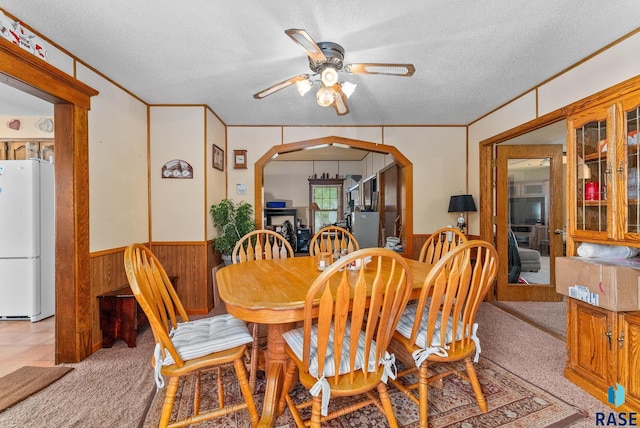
(512, 402)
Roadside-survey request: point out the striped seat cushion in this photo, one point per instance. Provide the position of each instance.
(421, 355)
(406, 324)
(294, 339)
(200, 337)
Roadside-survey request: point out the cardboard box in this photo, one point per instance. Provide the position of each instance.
(612, 284)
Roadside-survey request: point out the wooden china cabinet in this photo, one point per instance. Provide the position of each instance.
(603, 348)
(603, 206)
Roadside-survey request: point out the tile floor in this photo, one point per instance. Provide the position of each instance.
(23, 343)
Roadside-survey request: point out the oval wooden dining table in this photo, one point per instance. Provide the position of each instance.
(272, 292)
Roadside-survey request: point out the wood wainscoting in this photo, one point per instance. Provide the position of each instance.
(418, 242)
(191, 262)
(107, 273)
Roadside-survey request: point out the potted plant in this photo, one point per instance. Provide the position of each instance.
(232, 222)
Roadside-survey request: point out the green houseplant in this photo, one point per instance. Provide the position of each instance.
(232, 221)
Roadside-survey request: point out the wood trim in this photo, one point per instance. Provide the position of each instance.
(71, 97)
(402, 160)
(32, 75)
(609, 96)
(73, 303)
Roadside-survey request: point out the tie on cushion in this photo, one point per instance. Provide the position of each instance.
(294, 339)
(406, 324)
(201, 337)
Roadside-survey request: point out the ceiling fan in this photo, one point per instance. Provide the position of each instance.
(326, 61)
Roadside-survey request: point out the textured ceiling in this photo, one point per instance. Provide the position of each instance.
(470, 57)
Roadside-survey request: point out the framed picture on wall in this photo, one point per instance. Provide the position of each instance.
(240, 159)
(218, 158)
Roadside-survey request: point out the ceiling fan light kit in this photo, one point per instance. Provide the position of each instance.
(326, 60)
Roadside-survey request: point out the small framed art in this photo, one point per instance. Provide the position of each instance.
(240, 159)
(218, 158)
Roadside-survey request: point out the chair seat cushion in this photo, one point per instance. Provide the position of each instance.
(294, 339)
(203, 336)
(406, 324)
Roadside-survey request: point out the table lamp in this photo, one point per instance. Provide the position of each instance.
(462, 204)
(313, 207)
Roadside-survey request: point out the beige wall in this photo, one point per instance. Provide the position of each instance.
(430, 148)
(291, 134)
(216, 179)
(604, 70)
(256, 141)
(177, 205)
(179, 208)
(118, 184)
(28, 128)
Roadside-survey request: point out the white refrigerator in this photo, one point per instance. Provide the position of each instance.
(27, 239)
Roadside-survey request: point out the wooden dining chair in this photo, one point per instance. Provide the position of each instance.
(350, 313)
(439, 243)
(260, 244)
(187, 347)
(440, 328)
(332, 238)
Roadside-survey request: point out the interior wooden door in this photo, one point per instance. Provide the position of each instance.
(390, 201)
(529, 228)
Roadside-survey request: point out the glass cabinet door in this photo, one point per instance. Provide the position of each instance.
(631, 137)
(593, 186)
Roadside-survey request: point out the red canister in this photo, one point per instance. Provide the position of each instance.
(592, 191)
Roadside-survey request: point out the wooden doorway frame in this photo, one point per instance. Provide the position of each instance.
(71, 99)
(405, 164)
(544, 291)
(487, 163)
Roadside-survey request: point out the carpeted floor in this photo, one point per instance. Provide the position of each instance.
(511, 401)
(108, 389)
(26, 381)
(113, 386)
(548, 316)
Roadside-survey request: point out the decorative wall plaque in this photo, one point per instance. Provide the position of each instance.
(177, 169)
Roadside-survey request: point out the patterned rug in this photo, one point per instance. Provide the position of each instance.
(512, 402)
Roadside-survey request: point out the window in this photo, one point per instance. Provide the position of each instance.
(328, 195)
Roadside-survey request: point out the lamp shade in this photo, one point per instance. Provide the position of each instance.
(462, 204)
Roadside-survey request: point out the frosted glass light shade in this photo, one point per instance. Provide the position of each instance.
(348, 88)
(325, 96)
(329, 75)
(303, 86)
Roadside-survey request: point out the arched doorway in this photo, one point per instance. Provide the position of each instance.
(71, 99)
(406, 190)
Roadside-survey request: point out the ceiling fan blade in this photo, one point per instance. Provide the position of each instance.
(285, 83)
(340, 103)
(405, 70)
(303, 38)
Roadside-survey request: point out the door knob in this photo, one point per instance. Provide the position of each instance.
(559, 232)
